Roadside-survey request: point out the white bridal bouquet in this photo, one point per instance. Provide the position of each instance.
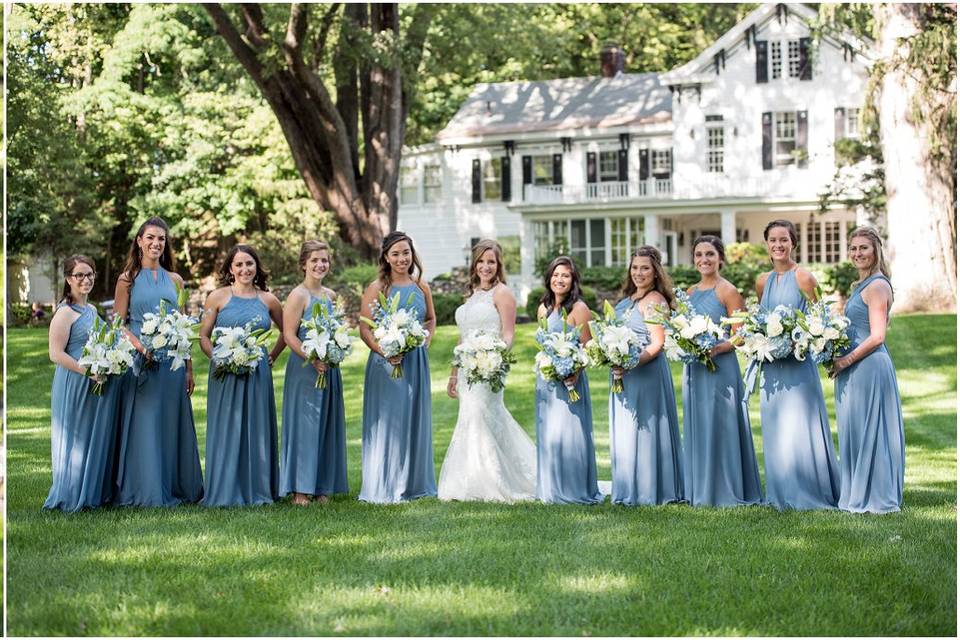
(107, 353)
(690, 336)
(327, 339)
(167, 334)
(613, 344)
(237, 350)
(765, 335)
(484, 358)
(397, 330)
(821, 331)
(561, 355)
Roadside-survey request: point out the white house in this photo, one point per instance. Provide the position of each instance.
(738, 136)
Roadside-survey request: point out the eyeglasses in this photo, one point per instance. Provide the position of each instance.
(84, 276)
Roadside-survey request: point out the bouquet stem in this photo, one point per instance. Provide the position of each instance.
(321, 382)
(572, 394)
(97, 388)
(397, 372)
(617, 385)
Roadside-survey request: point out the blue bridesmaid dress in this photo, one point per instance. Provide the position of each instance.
(798, 454)
(397, 450)
(869, 422)
(83, 430)
(566, 460)
(241, 447)
(159, 459)
(313, 457)
(720, 465)
(645, 452)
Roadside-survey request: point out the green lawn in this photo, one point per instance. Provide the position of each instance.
(430, 568)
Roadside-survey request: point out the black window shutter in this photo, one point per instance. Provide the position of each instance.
(802, 138)
(806, 67)
(558, 168)
(670, 159)
(591, 166)
(527, 169)
(761, 60)
(839, 120)
(644, 164)
(622, 165)
(767, 145)
(505, 178)
(475, 181)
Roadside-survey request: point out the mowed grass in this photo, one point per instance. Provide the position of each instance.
(432, 568)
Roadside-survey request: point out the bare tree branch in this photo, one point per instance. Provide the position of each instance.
(246, 55)
(320, 45)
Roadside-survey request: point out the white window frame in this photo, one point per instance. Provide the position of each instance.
(610, 173)
(783, 122)
(776, 60)
(409, 186)
(793, 58)
(492, 180)
(715, 142)
(659, 161)
(851, 118)
(432, 189)
(544, 162)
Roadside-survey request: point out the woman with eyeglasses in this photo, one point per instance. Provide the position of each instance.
(83, 425)
(159, 459)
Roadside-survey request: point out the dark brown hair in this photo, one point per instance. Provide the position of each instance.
(135, 257)
(225, 278)
(415, 266)
(575, 292)
(68, 266)
(786, 224)
(478, 250)
(309, 247)
(661, 281)
(714, 242)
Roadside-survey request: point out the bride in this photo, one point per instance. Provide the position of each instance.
(490, 456)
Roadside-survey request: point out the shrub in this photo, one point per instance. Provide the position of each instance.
(350, 282)
(533, 300)
(743, 275)
(747, 253)
(609, 278)
(445, 305)
(21, 312)
(840, 278)
(558, 247)
(683, 275)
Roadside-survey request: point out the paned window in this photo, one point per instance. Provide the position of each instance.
(492, 181)
(793, 58)
(543, 170)
(786, 137)
(853, 123)
(715, 149)
(626, 234)
(814, 245)
(432, 183)
(660, 162)
(609, 166)
(409, 185)
(776, 60)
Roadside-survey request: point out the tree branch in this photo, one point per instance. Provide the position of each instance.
(321, 43)
(257, 33)
(297, 26)
(246, 55)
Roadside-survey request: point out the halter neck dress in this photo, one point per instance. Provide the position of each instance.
(83, 429)
(869, 421)
(645, 448)
(397, 449)
(720, 462)
(798, 454)
(313, 455)
(159, 458)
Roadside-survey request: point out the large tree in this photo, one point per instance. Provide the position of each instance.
(328, 129)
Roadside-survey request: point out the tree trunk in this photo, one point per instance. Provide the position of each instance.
(921, 200)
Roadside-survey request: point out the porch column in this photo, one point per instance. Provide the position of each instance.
(527, 244)
(728, 226)
(651, 229)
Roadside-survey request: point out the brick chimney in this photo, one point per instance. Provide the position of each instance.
(611, 60)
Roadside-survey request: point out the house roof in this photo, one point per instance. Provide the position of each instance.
(567, 103)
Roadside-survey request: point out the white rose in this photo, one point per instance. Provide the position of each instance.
(159, 341)
(774, 325)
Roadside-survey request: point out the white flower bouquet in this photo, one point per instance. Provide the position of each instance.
(484, 358)
(560, 355)
(107, 353)
(689, 336)
(397, 330)
(237, 350)
(613, 344)
(167, 334)
(822, 332)
(328, 340)
(765, 335)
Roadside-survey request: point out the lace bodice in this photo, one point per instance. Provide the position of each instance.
(478, 312)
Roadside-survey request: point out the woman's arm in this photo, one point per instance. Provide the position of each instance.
(657, 336)
(732, 301)
(210, 309)
(59, 336)
(761, 283)
(807, 284)
(276, 314)
(430, 316)
(877, 296)
(121, 305)
(580, 317)
(506, 306)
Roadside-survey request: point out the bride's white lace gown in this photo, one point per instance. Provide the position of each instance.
(490, 456)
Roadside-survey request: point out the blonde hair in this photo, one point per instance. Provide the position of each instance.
(879, 259)
(478, 250)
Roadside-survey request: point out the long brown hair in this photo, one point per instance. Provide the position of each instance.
(478, 250)
(575, 292)
(135, 256)
(880, 260)
(415, 266)
(225, 278)
(661, 281)
(68, 266)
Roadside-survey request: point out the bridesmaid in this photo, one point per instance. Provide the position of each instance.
(83, 426)
(645, 453)
(566, 461)
(159, 460)
(798, 454)
(720, 465)
(869, 419)
(313, 457)
(397, 451)
(241, 447)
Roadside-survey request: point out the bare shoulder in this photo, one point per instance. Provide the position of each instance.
(330, 293)
(541, 311)
(269, 299)
(725, 288)
(176, 277)
(503, 293)
(805, 278)
(373, 288)
(762, 279)
(218, 296)
(424, 287)
(297, 294)
(653, 298)
(880, 287)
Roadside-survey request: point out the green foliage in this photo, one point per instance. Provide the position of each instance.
(21, 313)
(445, 305)
(840, 278)
(748, 253)
(609, 278)
(683, 275)
(350, 282)
(559, 247)
(533, 300)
